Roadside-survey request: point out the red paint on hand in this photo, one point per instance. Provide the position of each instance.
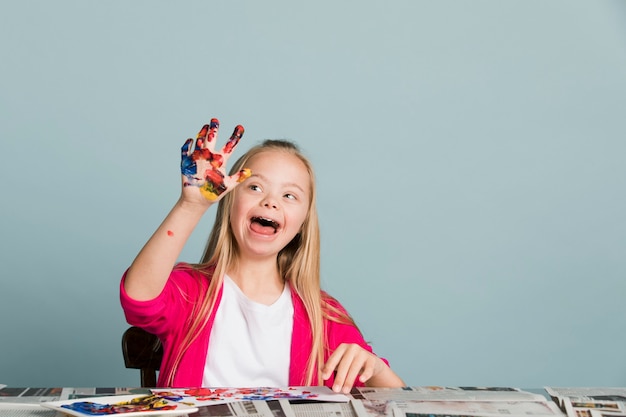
(170, 233)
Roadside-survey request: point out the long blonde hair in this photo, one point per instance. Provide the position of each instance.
(298, 263)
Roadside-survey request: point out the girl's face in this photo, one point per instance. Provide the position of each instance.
(270, 207)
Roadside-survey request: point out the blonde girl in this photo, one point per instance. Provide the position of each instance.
(252, 312)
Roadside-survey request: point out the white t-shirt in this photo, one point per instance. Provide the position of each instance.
(250, 344)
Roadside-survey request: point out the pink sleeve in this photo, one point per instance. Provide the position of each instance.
(167, 309)
(166, 316)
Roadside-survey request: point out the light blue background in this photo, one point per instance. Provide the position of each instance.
(470, 160)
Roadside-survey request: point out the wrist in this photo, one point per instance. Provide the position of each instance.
(193, 207)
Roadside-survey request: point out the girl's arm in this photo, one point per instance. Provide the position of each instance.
(204, 182)
(150, 270)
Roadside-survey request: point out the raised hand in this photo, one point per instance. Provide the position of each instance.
(204, 169)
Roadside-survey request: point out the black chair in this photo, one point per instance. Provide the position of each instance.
(143, 351)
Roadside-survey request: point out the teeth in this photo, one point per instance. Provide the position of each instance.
(265, 222)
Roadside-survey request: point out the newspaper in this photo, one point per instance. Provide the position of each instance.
(433, 401)
(590, 401)
(587, 393)
(377, 408)
(354, 408)
(283, 408)
(475, 408)
(576, 408)
(30, 396)
(596, 413)
(436, 393)
(428, 401)
(274, 408)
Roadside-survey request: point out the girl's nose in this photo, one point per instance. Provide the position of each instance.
(270, 202)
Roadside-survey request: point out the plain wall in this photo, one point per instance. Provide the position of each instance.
(470, 161)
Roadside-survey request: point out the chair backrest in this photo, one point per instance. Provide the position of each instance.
(143, 351)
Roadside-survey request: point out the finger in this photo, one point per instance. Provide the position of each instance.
(212, 134)
(206, 136)
(239, 177)
(232, 181)
(205, 144)
(359, 366)
(187, 163)
(233, 141)
(347, 373)
(185, 149)
(343, 370)
(201, 138)
(331, 363)
(367, 372)
(353, 373)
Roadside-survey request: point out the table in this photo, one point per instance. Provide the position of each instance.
(321, 402)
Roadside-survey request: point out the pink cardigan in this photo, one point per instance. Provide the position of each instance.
(166, 316)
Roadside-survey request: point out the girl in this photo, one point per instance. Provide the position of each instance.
(251, 313)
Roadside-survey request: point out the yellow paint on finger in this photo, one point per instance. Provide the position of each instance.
(244, 174)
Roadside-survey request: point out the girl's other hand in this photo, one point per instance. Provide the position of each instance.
(203, 170)
(348, 362)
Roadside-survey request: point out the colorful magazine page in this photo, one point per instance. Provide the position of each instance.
(128, 405)
(212, 396)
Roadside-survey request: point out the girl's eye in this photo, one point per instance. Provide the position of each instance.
(290, 196)
(255, 188)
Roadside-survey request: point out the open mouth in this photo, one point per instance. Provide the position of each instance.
(264, 225)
